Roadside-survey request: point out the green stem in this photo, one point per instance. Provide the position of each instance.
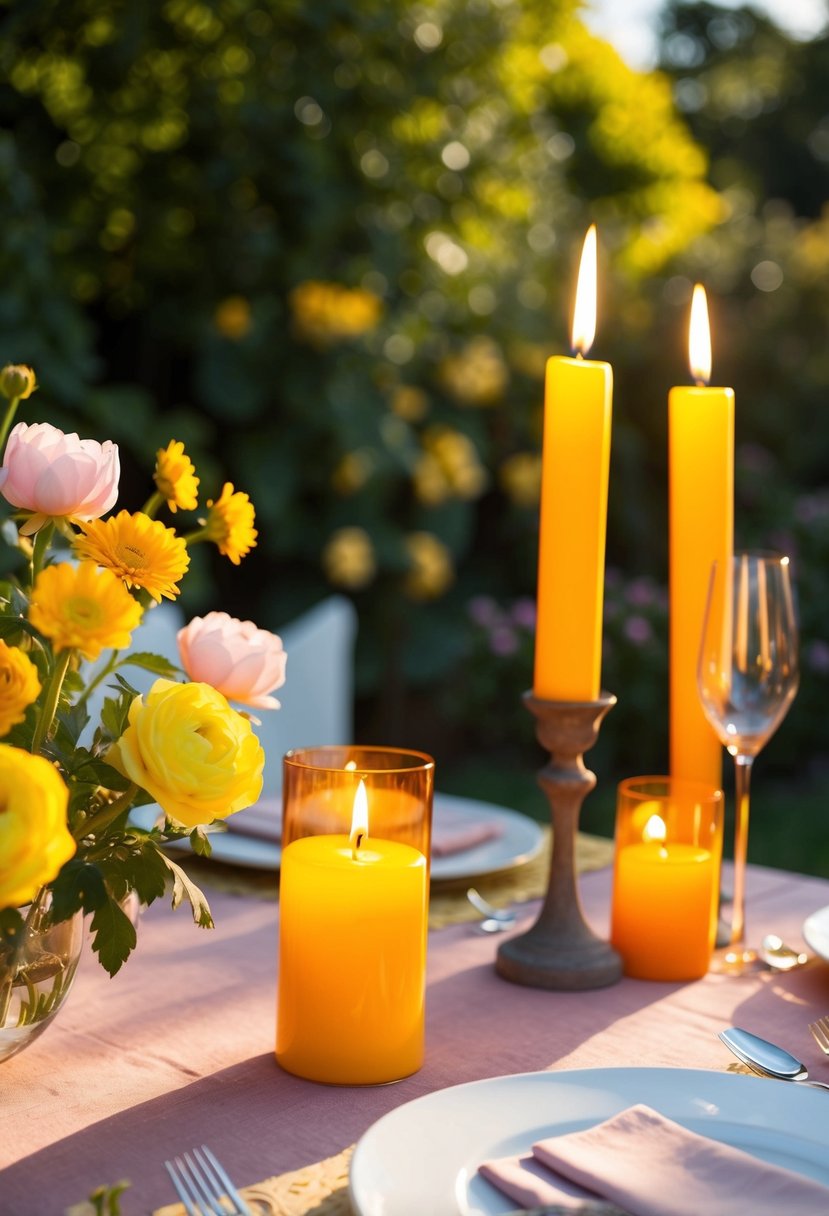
(193, 538)
(105, 671)
(153, 503)
(39, 549)
(5, 426)
(107, 814)
(50, 704)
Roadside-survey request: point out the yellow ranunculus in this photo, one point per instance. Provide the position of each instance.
(198, 758)
(19, 686)
(34, 838)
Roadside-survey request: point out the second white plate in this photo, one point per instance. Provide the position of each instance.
(519, 839)
(816, 932)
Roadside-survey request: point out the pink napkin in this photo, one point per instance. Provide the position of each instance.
(650, 1166)
(453, 829)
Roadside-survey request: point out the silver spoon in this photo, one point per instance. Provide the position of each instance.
(776, 954)
(766, 1058)
(496, 920)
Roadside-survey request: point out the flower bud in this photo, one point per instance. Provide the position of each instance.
(17, 381)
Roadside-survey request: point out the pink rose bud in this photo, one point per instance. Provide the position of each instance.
(242, 662)
(51, 473)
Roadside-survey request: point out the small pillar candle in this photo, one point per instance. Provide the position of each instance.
(666, 877)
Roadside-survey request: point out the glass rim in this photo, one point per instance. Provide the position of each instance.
(701, 790)
(422, 761)
(759, 555)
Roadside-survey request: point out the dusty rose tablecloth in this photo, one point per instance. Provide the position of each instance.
(178, 1050)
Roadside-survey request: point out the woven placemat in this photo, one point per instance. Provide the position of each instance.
(321, 1189)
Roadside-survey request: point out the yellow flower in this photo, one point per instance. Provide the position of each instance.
(83, 608)
(520, 476)
(198, 758)
(17, 381)
(230, 523)
(328, 312)
(431, 570)
(34, 838)
(232, 317)
(477, 375)
(175, 477)
(409, 403)
(19, 686)
(142, 551)
(348, 558)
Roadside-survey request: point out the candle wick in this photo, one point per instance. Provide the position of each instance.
(700, 383)
(579, 355)
(356, 839)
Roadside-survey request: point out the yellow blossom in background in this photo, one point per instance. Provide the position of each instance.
(141, 551)
(230, 523)
(328, 312)
(348, 558)
(352, 473)
(19, 686)
(175, 477)
(232, 317)
(431, 568)
(449, 467)
(17, 381)
(477, 375)
(409, 403)
(83, 608)
(34, 838)
(431, 485)
(520, 477)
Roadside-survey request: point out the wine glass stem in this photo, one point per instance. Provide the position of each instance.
(742, 782)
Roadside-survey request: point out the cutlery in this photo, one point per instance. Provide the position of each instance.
(766, 1058)
(820, 1033)
(203, 1186)
(496, 920)
(776, 954)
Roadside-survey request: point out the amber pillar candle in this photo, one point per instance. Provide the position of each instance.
(573, 518)
(701, 462)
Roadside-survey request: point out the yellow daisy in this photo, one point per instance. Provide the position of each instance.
(230, 523)
(142, 551)
(175, 477)
(83, 608)
(19, 686)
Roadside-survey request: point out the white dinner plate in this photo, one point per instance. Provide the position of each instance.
(816, 932)
(423, 1157)
(519, 839)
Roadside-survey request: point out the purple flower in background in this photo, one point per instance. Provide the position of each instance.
(810, 508)
(523, 613)
(754, 458)
(637, 630)
(612, 577)
(503, 641)
(641, 593)
(817, 657)
(484, 611)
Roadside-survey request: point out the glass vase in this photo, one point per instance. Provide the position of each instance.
(36, 973)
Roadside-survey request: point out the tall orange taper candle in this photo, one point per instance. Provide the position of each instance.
(573, 523)
(701, 459)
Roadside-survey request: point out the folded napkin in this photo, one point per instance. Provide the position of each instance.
(651, 1166)
(453, 829)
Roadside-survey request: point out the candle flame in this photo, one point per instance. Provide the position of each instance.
(359, 819)
(654, 829)
(584, 312)
(699, 337)
(351, 765)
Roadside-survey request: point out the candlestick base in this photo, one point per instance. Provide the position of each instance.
(561, 951)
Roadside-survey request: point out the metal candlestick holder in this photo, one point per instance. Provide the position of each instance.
(560, 951)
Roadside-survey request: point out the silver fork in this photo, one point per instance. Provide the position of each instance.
(203, 1186)
(820, 1033)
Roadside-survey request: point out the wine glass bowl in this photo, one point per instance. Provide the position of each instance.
(747, 678)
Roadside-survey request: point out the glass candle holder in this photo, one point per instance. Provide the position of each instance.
(666, 876)
(354, 894)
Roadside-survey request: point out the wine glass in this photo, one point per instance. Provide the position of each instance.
(747, 679)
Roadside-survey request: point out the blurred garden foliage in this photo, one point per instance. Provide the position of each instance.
(333, 244)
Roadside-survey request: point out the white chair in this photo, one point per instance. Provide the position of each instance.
(318, 693)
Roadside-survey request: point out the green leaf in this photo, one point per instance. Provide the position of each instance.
(151, 662)
(12, 627)
(184, 887)
(79, 884)
(113, 936)
(136, 865)
(114, 716)
(200, 842)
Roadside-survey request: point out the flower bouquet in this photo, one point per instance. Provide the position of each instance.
(80, 585)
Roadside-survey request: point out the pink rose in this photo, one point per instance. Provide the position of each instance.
(240, 661)
(50, 473)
